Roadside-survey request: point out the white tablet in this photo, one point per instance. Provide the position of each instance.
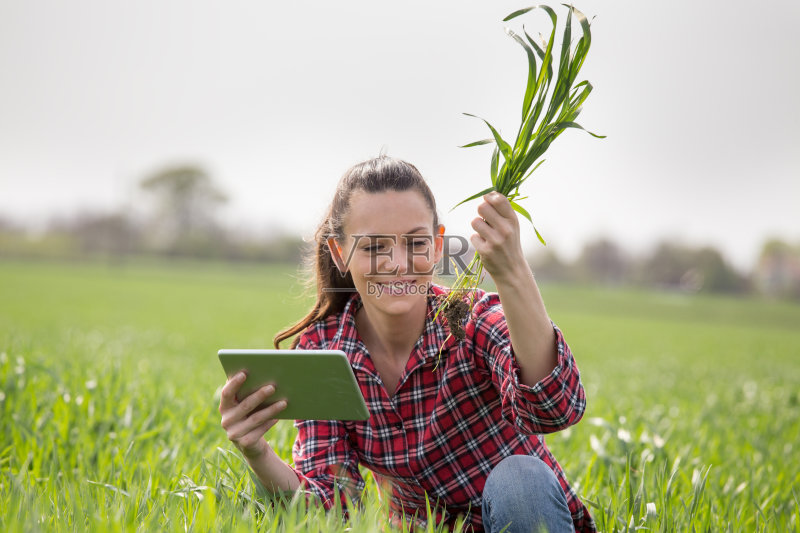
(316, 384)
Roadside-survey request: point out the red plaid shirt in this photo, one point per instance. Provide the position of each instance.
(447, 425)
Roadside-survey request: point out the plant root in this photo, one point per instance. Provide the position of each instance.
(456, 312)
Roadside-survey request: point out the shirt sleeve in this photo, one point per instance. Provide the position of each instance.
(325, 462)
(554, 403)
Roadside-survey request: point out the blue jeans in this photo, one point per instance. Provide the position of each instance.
(522, 494)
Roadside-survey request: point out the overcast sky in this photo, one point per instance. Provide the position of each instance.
(699, 100)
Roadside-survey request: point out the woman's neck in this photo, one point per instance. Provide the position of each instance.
(392, 336)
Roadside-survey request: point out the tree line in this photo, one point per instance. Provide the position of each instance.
(178, 218)
(675, 266)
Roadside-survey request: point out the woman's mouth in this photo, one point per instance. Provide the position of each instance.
(399, 287)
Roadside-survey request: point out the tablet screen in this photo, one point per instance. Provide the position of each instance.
(317, 384)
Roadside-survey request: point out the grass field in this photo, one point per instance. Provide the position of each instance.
(108, 377)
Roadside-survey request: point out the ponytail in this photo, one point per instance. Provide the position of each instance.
(327, 276)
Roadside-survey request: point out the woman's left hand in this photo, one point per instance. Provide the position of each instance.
(497, 238)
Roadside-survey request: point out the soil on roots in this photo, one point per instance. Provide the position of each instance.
(455, 313)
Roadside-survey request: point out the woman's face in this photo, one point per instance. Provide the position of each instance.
(390, 249)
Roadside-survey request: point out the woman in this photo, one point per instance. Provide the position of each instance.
(458, 422)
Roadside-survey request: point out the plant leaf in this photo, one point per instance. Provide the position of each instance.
(521, 210)
(528, 175)
(566, 42)
(477, 143)
(493, 165)
(583, 45)
(539, 51)
(577, 98)
(505, 149)
(561, 126)
(539, 236)
(474, 196)
(530, 88)
(542, 83)
(519, 12)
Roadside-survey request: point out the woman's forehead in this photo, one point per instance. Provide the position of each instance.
(388, 213)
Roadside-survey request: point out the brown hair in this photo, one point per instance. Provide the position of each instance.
(374, 175)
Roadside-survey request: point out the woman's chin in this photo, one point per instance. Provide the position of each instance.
(395, 300)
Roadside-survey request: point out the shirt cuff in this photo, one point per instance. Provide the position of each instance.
(312, 492)
(554, 403)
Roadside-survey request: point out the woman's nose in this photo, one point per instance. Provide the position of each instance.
(396, 261)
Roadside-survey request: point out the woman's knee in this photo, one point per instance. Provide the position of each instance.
(523, 493)
(523, 473)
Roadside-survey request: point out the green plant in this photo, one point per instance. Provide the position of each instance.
(550, 106)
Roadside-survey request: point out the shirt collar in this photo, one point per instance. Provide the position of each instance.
(435, 341)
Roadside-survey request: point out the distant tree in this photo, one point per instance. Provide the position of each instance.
(778, 270)
(667, 266)
(690, 269)
(717, 274)
(604, 262)
(548, 266)
(10, 227)
(101, 233)
(186, 204)
(12, 237)
(282, 248)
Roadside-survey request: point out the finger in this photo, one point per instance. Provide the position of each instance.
(256, 398)
(241, 428)
(505, 226)
(227, 398)
(480, 244)
(249, 440)
(272, 410)
(485, 231)
(501, 203)
(232, 416)
(262, 418)
(487, 211)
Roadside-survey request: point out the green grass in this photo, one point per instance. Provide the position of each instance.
(109, 418)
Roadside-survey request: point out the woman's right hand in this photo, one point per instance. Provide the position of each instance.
(246, 427)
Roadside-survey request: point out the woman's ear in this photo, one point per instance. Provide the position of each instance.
(438, 243)
(336, 254)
